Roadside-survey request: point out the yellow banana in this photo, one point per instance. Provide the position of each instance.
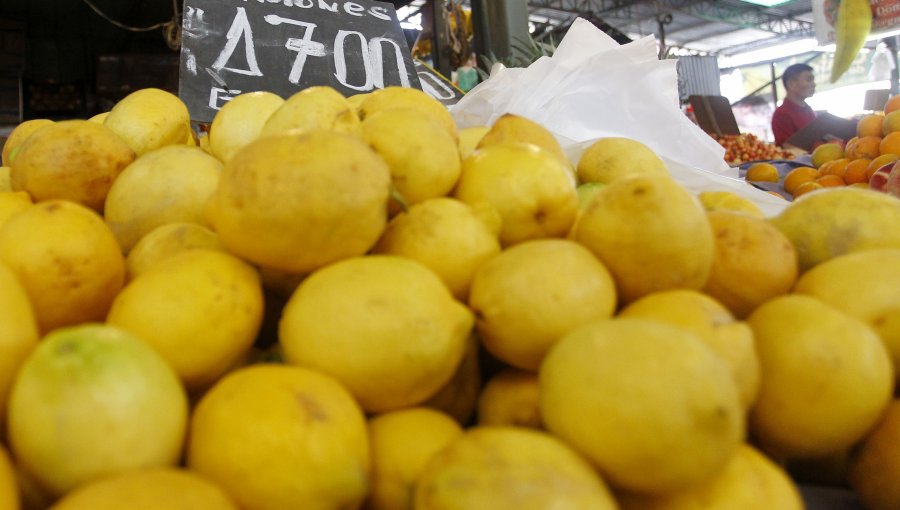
(854, 21)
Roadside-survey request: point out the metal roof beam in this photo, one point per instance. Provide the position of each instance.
(750, 17)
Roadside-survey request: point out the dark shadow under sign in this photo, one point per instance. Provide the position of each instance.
(234, 46)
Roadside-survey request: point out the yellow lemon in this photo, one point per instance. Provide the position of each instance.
(74, 160)
(18, 333)
(402, 443)
(166, 240)
(749, 481)
(728, 201)
(509, 467)
(172, 184)
(422, 156)
(385, 326)
(448, 236)
(5, 179)
(649, 404)
(108, 403)
(296, 203)
(275, 435)
(148, 489)
(200, 310)
(613, 158)
(512, 128)
(99, 118)
(66, 259)
(876, 463)
(532, 294)
(469, 138)
(403, 97)
(9, 490)
(148, 119)
(826, 377)
(711, 322)
(830, 223)
(510, 398)
(530, 188)
(825, 153)
(240, 121)
(12, 202)
(864, 285)
(753, 262)
(762, 172)
(459, 396)
(650, 233)
(19, 134)
(312, 109)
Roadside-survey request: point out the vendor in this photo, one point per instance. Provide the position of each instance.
(794, 113)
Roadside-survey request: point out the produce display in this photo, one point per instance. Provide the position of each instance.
(748, 147)
(334, 303)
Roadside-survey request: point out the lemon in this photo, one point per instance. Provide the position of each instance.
(512, 128)
(108, 403)
(649, 404)
(530, 188)
(18, 333)
(749, 481)
(100, 118)
(9, 490)
(753, 262)
(762, 172)
(385, 326)
(871, 278)
(18, 135)
(149, 119)
(532, 294)
(826, 377)
(825, 153)
(66, 259)
(5, 179)
(459, 396)
(148, 489)
(12, 202)
(469, 138)
(311, 109)
(874, 467)
(650, 233)
(74, 160)
(510, 398)
(613, 158)
(296, 203)
(402, 443)
(830, 223)
(200, 310)
(240, 121)
(448, 236)
(275, 435)
(402, 97)
(509, 467)
(422, 156)
(728, 201)
(171, 184)
(356, 100)
(711, 322)
(167, 240)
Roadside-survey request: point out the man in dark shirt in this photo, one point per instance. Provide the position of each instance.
(794, 113)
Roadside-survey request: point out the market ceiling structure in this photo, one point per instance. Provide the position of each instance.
(721, 27)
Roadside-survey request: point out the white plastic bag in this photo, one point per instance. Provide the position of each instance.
(593, 88)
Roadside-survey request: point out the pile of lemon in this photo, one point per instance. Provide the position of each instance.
(333, 303)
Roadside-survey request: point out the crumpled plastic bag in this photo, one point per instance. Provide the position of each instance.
(592, 88)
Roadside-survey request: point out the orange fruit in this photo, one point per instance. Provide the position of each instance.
(764, 172)
(886, 157)
(836, 167)
(864, 147)
(806, 187)
(850, 147)
(798, 176)
(890, 144)
(856, 171)
(892, 104)
(870, 125)
(831, 180)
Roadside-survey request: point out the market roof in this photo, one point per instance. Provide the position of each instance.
(721, 27)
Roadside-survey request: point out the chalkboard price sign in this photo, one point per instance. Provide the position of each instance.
(234, 46)
(436, 85)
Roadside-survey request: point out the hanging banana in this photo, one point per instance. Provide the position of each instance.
(854, 21)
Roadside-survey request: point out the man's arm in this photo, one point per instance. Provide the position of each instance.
(782, 127)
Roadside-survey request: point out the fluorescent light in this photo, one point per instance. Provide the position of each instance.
(766, 3)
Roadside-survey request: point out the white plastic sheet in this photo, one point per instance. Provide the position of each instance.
(593, 88)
